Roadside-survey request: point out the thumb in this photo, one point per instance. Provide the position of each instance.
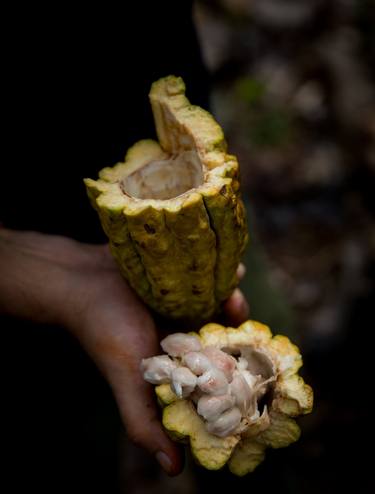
(136, 401)
(236, 308)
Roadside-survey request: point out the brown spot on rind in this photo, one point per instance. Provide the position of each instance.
(193, 266)
(223, 190)
(196, 291)
(149, 229)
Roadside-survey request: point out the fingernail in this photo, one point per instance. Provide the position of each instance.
(164, 461)
(241, 270)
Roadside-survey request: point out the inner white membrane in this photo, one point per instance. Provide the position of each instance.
(228, 387)
(165, 179)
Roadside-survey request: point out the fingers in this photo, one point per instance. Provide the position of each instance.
(236, 308)
(118, 332)
(139, 412)
(241, 271)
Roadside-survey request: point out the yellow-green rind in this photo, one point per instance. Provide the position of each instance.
(282, 431)
(179, 255)
(181, 125)
(194, 255)
(293, 397)
(227, 218)
(137, 156)
(176, 119)
(246, 457)
(250, 451)
(165, 395)
(181, 420)
(115, 226)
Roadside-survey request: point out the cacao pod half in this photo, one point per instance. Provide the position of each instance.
(273, 362)
(172, 210)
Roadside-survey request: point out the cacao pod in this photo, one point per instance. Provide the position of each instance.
(172, 210)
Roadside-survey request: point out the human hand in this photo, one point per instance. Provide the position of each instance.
(118, 331)
(79, 287)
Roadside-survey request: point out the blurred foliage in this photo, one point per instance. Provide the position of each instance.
(267, 301)
(270, 128)
(250, 90)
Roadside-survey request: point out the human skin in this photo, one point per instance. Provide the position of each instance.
(56, 280)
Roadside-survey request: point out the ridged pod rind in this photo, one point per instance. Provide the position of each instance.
(181, 254)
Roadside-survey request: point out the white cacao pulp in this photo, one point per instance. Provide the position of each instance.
(226, 423)
(224, 389)
(157, 370)
(241, 392)
(197, 362)
(210, 407)
(213, 382)
(183, 381)
(178, 344)
(221, 360)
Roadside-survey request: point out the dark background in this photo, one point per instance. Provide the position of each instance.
(292, 84)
